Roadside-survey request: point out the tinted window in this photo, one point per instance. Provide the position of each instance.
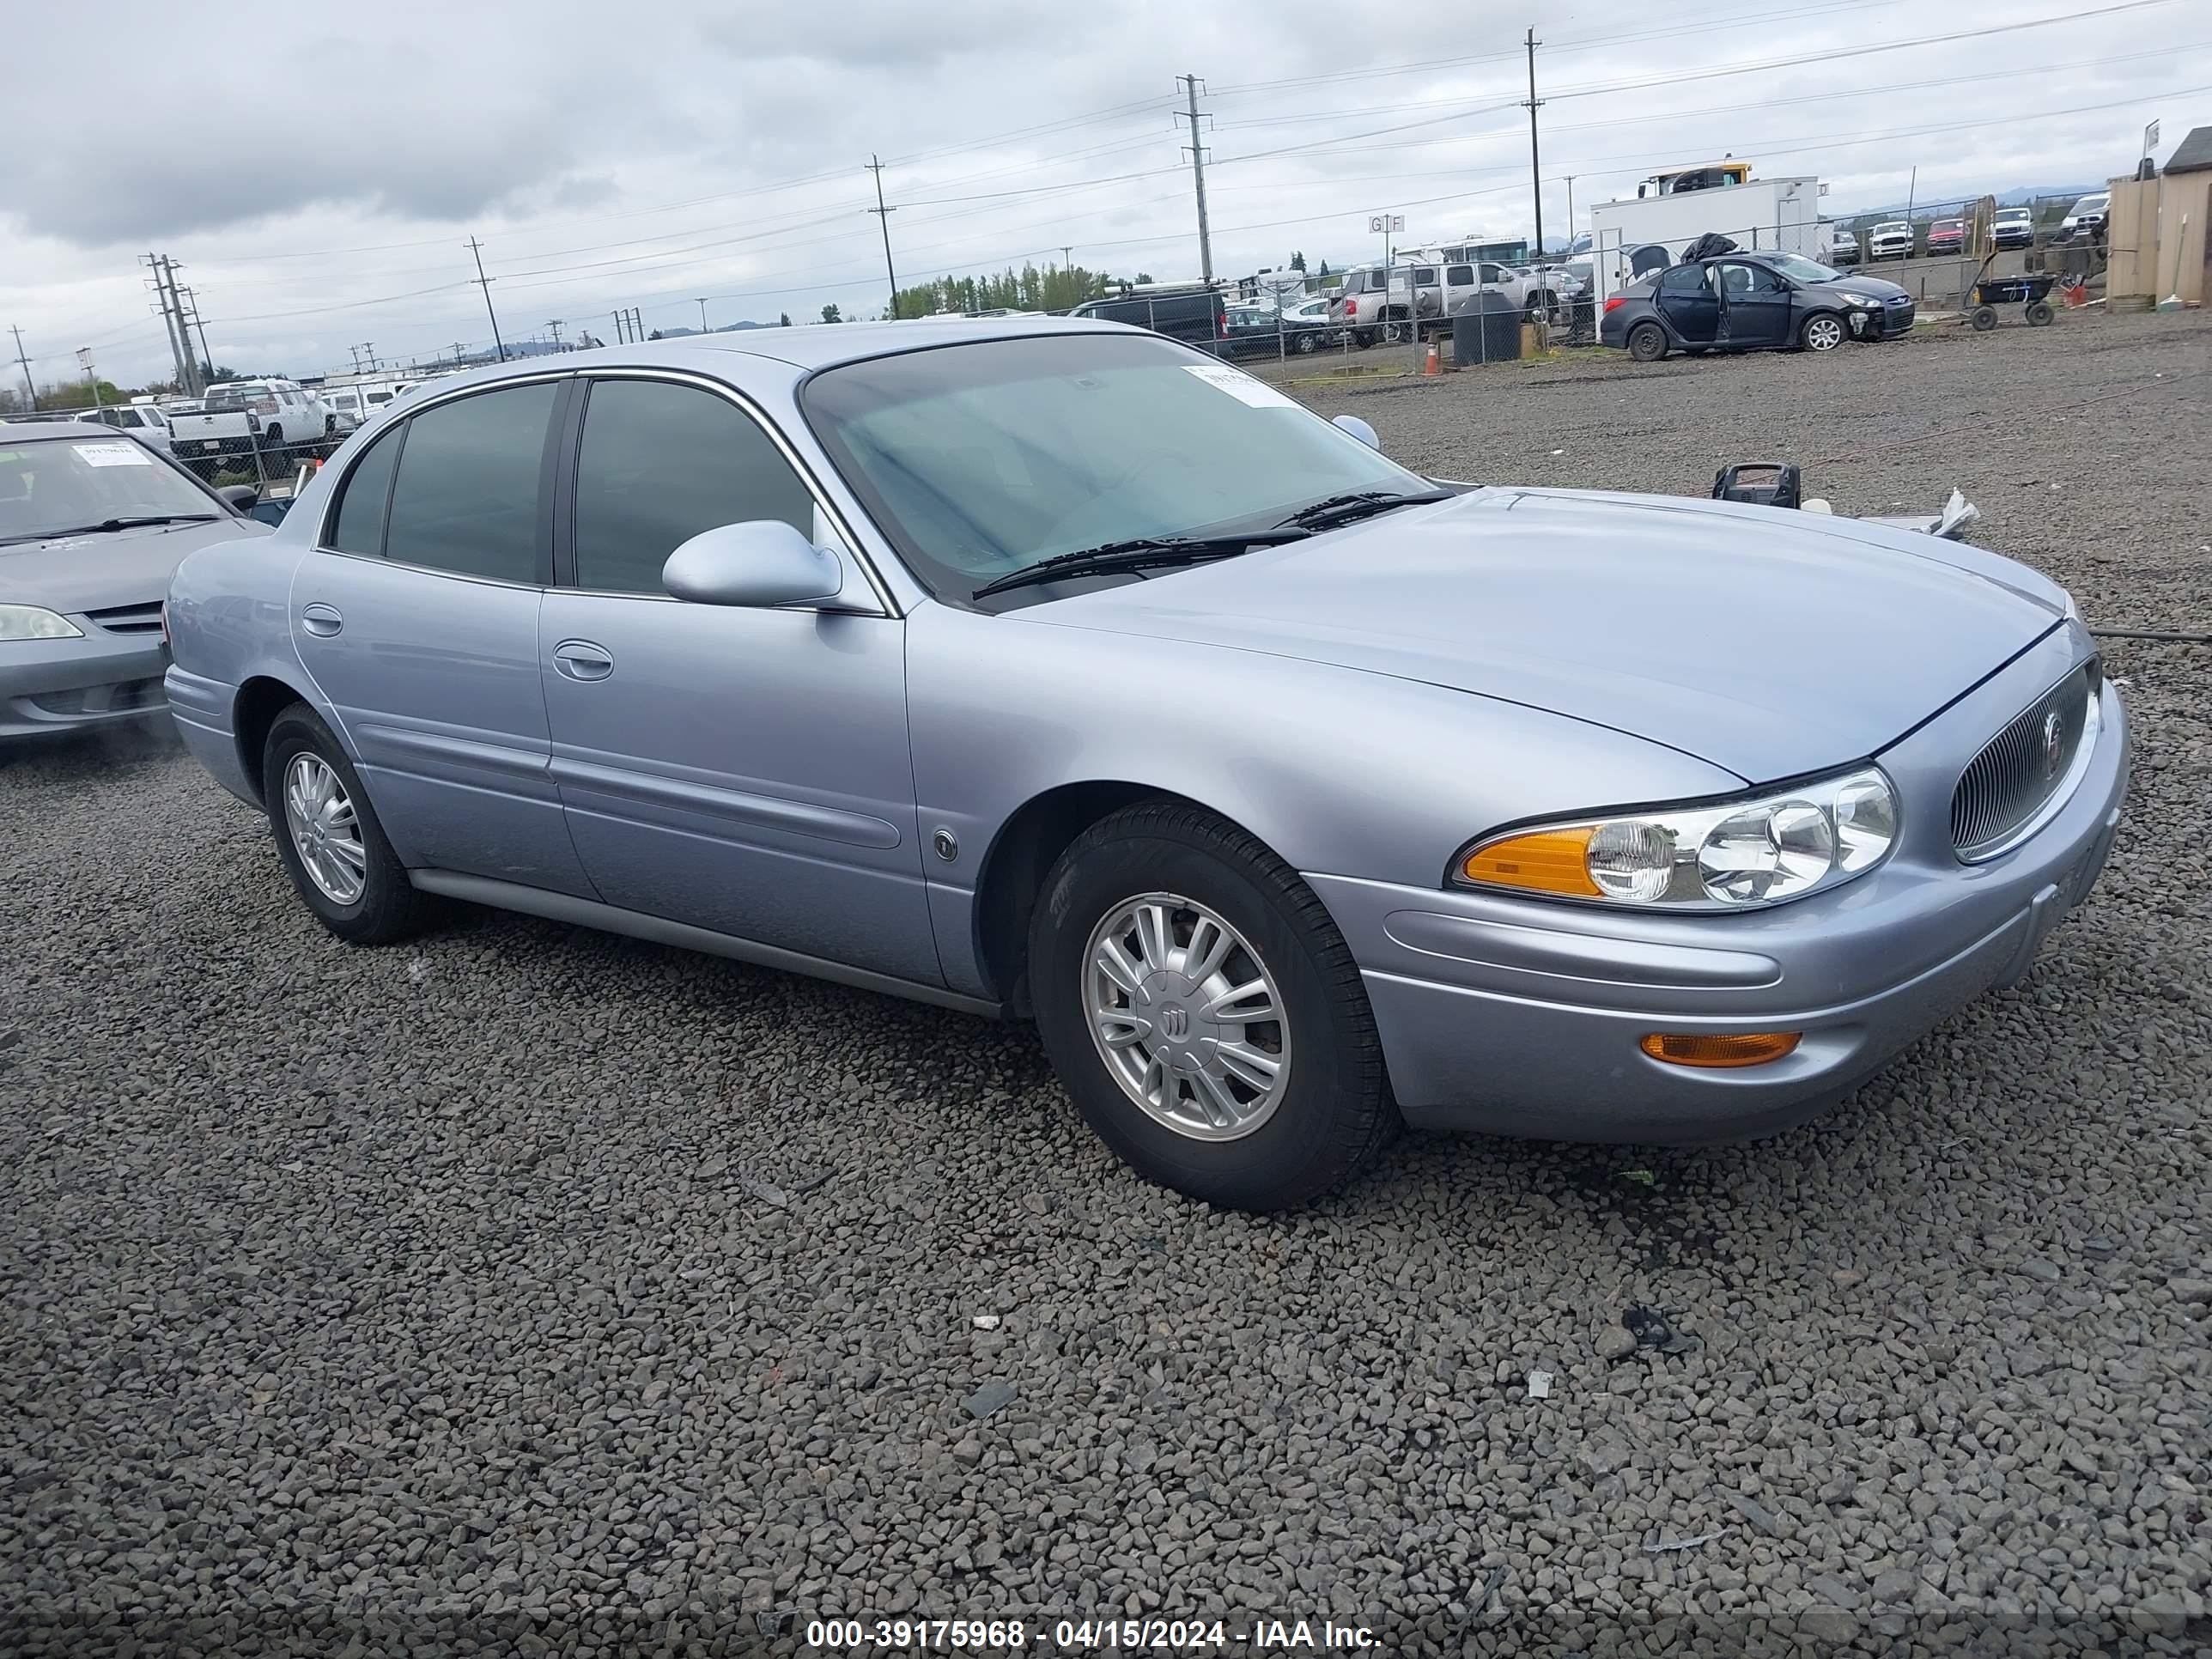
(1458, 275)
(657, 464)
(467, 496)
(360, 526)
(1425, 274)
(1683, 279)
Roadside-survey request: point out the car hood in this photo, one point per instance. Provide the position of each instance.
(1766, 642)
(1872, 287)
(73, 573)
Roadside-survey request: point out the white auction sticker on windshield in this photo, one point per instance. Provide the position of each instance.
(121, 453)
(1240, 385)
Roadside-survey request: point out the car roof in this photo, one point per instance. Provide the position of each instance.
(15, 432)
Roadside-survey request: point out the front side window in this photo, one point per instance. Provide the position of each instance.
(1458, 276)
(659, 463)
(466, 499)
(360, 525)
(981, 459)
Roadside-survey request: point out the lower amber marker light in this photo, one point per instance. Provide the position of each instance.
(1713, 1049)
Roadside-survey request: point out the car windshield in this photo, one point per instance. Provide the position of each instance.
(981, 459)
(70, 483)
(1891, 229)
(1804, 270)
(2092, 204)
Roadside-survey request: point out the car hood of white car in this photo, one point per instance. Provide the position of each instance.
(1768, 642)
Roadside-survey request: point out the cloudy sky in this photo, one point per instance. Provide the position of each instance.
(317, 172)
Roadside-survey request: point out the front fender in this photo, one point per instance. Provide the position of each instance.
(1340, 771)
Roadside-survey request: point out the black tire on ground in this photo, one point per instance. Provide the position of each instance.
(273, 438)
(1362, 337)
(2039, 313)
(1823, 331)
(1647, 342)
(1336, 1111)
(1984, 318)
(388, 908)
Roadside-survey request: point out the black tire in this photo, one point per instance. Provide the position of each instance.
(1362, 337)
(1984, 318)
(1309, 342)
(2039, 313)
(388, 908)
(1336, 1111)
(273, 438)
(1647, 342)
(1822, 331)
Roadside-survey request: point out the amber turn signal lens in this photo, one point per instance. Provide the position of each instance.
(1748, 1049)
(1544, 861)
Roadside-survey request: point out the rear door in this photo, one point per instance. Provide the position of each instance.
(743, 770)
(417, 619)
(1685, 299)
(1757, 303)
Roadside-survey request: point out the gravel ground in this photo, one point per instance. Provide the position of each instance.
(526, 1290)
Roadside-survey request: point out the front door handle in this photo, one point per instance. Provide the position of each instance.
(581, 659)
(320, 618)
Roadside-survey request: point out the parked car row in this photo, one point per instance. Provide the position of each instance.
(2010, 227)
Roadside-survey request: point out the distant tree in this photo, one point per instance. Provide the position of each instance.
(1323, 271)
(783, 320)
(1298, 264)
(655, 335)
(1144, 277)
(829, 314)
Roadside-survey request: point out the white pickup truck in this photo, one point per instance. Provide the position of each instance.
(1377, 303)
(239, 416)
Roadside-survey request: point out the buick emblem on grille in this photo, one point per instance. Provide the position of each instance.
(1174, 1024)
(2054, 743)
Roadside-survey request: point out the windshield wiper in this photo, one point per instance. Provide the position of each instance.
(1333, 510)
(1138, 553)
(106, 526)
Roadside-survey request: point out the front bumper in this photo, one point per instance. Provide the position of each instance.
(1511, 1015)
(48, 687)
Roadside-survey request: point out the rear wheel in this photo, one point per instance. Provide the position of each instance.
(2039, 313)
(1205, 1013)
(1984, 318)
(1308, 341)
(1647, 342)
(328, 837)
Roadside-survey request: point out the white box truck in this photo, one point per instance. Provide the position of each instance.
(1649, 230)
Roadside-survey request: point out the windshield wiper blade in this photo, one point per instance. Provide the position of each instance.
(1138, 553)
(106, 526)
(1333, 510)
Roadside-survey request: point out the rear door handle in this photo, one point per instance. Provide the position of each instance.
(320, 618)
(581, 659)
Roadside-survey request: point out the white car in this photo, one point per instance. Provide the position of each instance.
(2087, 221)
(141, 421)
(1839, 245)
(1891, 240)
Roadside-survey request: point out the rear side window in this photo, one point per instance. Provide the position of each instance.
(360, 526)
(1456, 275)
(466, 499)
(1683, 279)
(659, 463)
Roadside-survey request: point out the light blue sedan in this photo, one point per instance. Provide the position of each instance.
(1052, 669)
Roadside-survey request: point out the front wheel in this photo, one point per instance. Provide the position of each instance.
(1204, 1013)
(2039, 313)
(1984, 318)
(1362, 337)
(328, 837)
(1647, 342)
(1821, 333)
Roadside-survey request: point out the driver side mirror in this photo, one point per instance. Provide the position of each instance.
(1360, 429)
(242, 496)
(760, 564)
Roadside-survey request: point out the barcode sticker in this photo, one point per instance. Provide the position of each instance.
(1240, 385)
(121, 453)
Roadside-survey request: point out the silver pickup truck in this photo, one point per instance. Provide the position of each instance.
(239, 416)
(1373, 302)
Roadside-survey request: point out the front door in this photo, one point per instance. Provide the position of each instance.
(417, 620)
(742, 770)
(1688, 302)
(1757, 303)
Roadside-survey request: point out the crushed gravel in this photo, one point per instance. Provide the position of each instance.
(525, 1290)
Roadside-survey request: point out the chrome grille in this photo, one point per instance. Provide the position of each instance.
(130, 619)
(2023, 766)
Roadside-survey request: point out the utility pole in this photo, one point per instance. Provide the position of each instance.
(485, 283)
(621, 328)
(556, 326)
(173, 322)
(1189, 84)
(207, 358)
(703, 316)
(457, 354)
(1535, 172)
(1571, 209)
(884, 218)
(30, 390)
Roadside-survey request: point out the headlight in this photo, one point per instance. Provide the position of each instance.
(27, 622)
(1727, 856)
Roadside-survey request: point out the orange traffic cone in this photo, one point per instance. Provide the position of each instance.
(1432, 367)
